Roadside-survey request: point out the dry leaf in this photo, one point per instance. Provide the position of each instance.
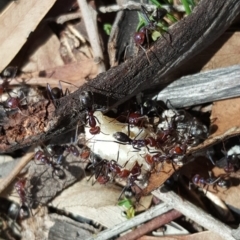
(75, 73)
(224, 122)
(157, 179)
(18, 20)
(97, 202)
(43, 51)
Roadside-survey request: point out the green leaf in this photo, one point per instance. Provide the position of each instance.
(186, 6)
(141, 22)
(107, 28)
(155, 35)
(127, 203)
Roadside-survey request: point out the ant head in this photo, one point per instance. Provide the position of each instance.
(56, 93)
(86, 99)
(9, 72)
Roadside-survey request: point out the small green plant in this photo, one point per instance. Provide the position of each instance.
(107, 28)
(128, 205)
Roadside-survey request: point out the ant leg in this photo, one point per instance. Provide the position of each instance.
(139, 149)
(69, 83)
(97, 120)
(210, 158)
(145, 53)
(60, 87)
(147, 36)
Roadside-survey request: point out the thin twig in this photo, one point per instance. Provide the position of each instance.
(151, 225)
(137, 6)
(67, 17)
(122, 227)
(91, 27)
(196, 214)
(13, 174)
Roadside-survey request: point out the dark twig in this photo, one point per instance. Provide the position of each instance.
(151, 225)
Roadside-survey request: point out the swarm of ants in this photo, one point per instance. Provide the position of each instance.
(127, 147)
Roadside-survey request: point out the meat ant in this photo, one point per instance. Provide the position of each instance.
(136, 144)
(44, 160)
(20, 189)
(186, 127)
(134, 173)
(100, 169)
(57, 151)
(14, 103)
(9, 72)
(231, 159)
(134, 119)
(86, 99)
(152, 25)
(57, 92)
(211, 181)
(104, 168)
(159, 157)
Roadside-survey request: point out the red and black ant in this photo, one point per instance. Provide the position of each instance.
(15, 103)
(134, 173)
(231, 160)
(20, 189)
(57, 151)
(44, 160)
(8, 74)
(136, 144)
(211, 181)
(86, 100)
(104, 168)
(57, 92)
(142, 35)
(100, 169)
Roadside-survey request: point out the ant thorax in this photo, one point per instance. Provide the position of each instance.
(105, 145)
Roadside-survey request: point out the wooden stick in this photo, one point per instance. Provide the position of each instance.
(196, 214)
(202, 87)
(141, 218)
